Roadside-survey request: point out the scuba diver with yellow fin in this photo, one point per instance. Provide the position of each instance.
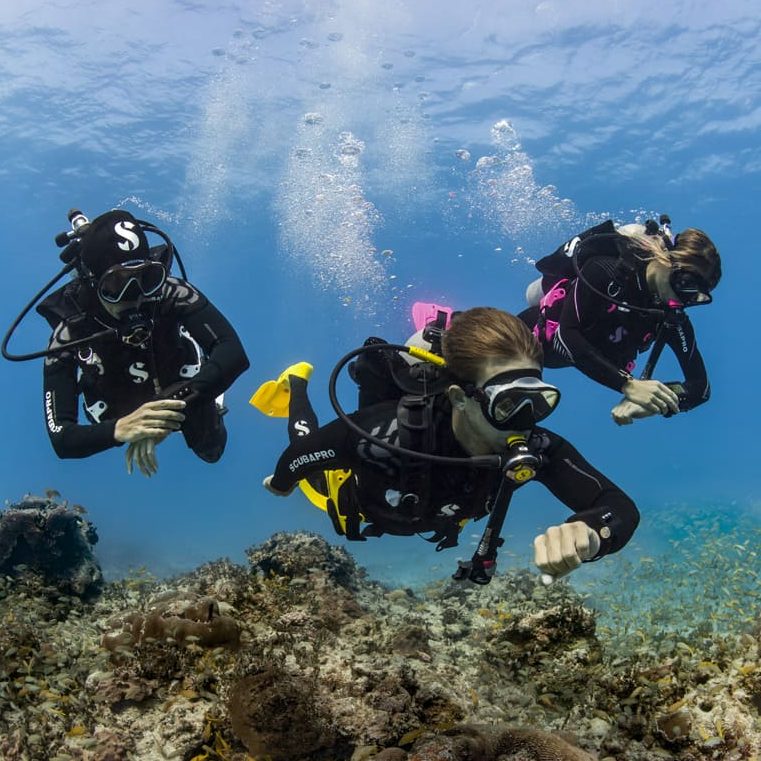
(446, 439)
(147, 351)
(609, 294)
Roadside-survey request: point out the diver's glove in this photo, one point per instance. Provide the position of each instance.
(561, 549)
(267, 484)
(143, 454)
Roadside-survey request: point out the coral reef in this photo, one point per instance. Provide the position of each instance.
(46, 536)
(497, 743)
(196, 621)
(299, 656)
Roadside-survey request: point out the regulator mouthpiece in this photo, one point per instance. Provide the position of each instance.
(134, 328)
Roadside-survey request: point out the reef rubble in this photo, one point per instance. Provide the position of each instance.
(299, 655)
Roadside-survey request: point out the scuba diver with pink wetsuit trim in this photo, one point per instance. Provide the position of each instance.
(610, 294)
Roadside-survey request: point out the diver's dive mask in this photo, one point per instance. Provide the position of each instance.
(123, 290)
(131, 280)
(690, 287)
(515, 400)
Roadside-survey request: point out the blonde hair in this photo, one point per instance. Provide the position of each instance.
(694, 251)
(486, 333)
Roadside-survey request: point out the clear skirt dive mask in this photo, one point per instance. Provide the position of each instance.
(130, 280)
(515, 400)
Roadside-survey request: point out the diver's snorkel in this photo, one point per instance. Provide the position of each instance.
(519, 467)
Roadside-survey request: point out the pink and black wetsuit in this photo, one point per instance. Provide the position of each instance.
(578, 327)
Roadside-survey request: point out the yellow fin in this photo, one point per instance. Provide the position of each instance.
(333, 481)
(273, 397)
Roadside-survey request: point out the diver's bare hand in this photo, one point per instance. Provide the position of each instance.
(626, 412)
(156, 418)
(143, 454)
(561, 549)
(267, 484)
(655, 397)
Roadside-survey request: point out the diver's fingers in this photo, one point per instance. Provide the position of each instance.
(586, 540)
(150, 456)
(541, 559)
(147, 460)
(152, 431)
(671, 399)
(164, 404)
(570, 556)
(140, 456)
(171, 421)
(555, 551)
(664, 397)
(128, 456)
(560, 547)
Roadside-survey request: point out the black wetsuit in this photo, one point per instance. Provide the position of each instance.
(603, 340)
(191, 342)
(454, 492)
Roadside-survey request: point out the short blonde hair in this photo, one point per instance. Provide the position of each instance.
(484, 333)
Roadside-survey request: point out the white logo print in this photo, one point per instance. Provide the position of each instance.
(682, 339)
(618, 335)
(96, 410)
(138, 372)
(570, 247)
(449, 509)
(52, 425)
(130, 240)
(301, 428)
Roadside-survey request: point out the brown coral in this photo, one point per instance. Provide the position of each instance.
(272, 714)
(481, 743)
(199, 622)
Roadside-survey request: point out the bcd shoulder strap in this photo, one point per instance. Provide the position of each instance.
(415, 416)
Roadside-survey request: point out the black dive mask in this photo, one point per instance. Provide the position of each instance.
(690, 287)
(131, 280)
(515, 400)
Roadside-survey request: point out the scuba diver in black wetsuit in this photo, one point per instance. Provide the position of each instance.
(457, 451)
(608, 295)
(148, 352)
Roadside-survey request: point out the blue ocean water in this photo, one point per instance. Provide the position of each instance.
(323, 165)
